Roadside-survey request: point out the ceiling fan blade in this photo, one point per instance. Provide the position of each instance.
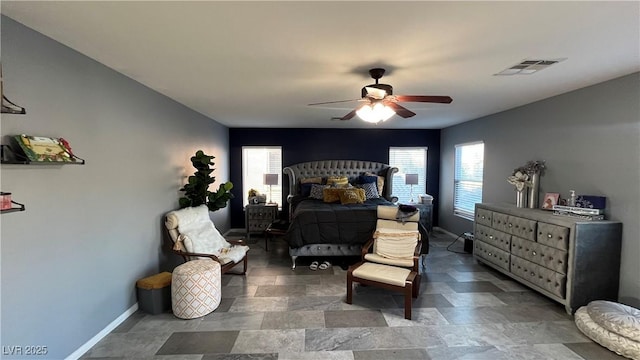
(333, 102)
(424, 98)
(375, 93)
(349, 115)
(400, 110)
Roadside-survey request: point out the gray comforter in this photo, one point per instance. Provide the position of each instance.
(317, 222)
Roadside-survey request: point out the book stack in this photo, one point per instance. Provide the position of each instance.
(579, 212)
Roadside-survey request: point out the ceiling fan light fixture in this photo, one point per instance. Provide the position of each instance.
(375, 113)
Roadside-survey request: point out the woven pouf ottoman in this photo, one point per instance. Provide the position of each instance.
(612, 325)
(195, 288)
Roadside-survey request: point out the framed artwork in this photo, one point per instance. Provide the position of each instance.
(550, 199)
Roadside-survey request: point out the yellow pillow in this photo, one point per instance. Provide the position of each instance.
(352, 196)
(331, 195)
(337, 180)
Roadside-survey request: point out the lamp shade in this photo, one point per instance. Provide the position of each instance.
(411, 179)
(271, 179)
(374, 113)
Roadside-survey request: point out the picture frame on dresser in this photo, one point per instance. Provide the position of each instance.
(550, 199)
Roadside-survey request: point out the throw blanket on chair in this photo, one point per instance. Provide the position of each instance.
(199, 235)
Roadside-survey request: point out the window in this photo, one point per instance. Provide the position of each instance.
(467, 187)
(256, 162)
(408, 160)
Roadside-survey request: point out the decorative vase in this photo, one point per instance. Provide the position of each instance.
(521, 198)
(533, 190)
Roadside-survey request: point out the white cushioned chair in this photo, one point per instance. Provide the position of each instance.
(391, 258)
(194, 236)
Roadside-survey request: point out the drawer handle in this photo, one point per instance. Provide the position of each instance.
(490, 236)
(510, 225)
(483, 216)
(549, 236)
(490, 254)
(533, 274)
(534, 253)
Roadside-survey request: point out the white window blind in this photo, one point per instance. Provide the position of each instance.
(469, 167)
(257, 161)
(408, 160)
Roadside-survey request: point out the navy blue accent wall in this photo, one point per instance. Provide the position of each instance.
(300, 145)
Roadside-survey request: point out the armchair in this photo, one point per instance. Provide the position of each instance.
(194, 237)
(390, 259)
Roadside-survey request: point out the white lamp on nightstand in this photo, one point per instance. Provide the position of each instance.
(270, 179)
(411, 179)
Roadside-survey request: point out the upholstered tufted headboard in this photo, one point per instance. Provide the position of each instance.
(349, 168)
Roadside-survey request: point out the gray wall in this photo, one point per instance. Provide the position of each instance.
(590, 140)
(70, 261)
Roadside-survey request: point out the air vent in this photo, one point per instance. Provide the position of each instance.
(528, 67)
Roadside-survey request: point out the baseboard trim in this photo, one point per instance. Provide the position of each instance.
(99, 336)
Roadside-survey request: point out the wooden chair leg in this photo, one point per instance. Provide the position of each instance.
(246, 261)
(416, 286)
(408, 293)
(349, 287)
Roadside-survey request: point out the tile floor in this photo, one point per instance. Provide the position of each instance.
(464, 311)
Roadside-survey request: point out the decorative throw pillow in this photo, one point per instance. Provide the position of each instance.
(352, 196)
(317, 191)
(332, 195)
(370, 190)
(342, 186)
(311, 180)
(305, 189)
(380, 182)
(337, 180)
(366, 179)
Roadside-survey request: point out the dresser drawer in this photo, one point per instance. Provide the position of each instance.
(484, 217)
(491, 254)
(260, 214)
(550, 258)
(553, 235)
(549, 280)
(493, 237)
(258, 225)
(514, 225)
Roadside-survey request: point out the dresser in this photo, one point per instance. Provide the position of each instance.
(259, 217)
(570, 260)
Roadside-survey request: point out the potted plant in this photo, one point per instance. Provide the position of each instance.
(196, 191)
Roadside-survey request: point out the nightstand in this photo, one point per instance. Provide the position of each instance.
(426, 215)
(259, 217)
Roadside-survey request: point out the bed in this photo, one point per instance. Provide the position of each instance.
(318, 228)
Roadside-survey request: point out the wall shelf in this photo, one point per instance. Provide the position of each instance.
(19, 207)
(11, 157)
(29, 162)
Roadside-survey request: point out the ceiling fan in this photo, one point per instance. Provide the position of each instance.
(380, 103)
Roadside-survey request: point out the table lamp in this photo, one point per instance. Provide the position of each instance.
(411, 179)
(270, 179)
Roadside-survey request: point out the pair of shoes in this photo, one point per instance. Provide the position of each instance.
(314, 266)
(325, 265)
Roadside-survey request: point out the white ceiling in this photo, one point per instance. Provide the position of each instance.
(258, 64)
